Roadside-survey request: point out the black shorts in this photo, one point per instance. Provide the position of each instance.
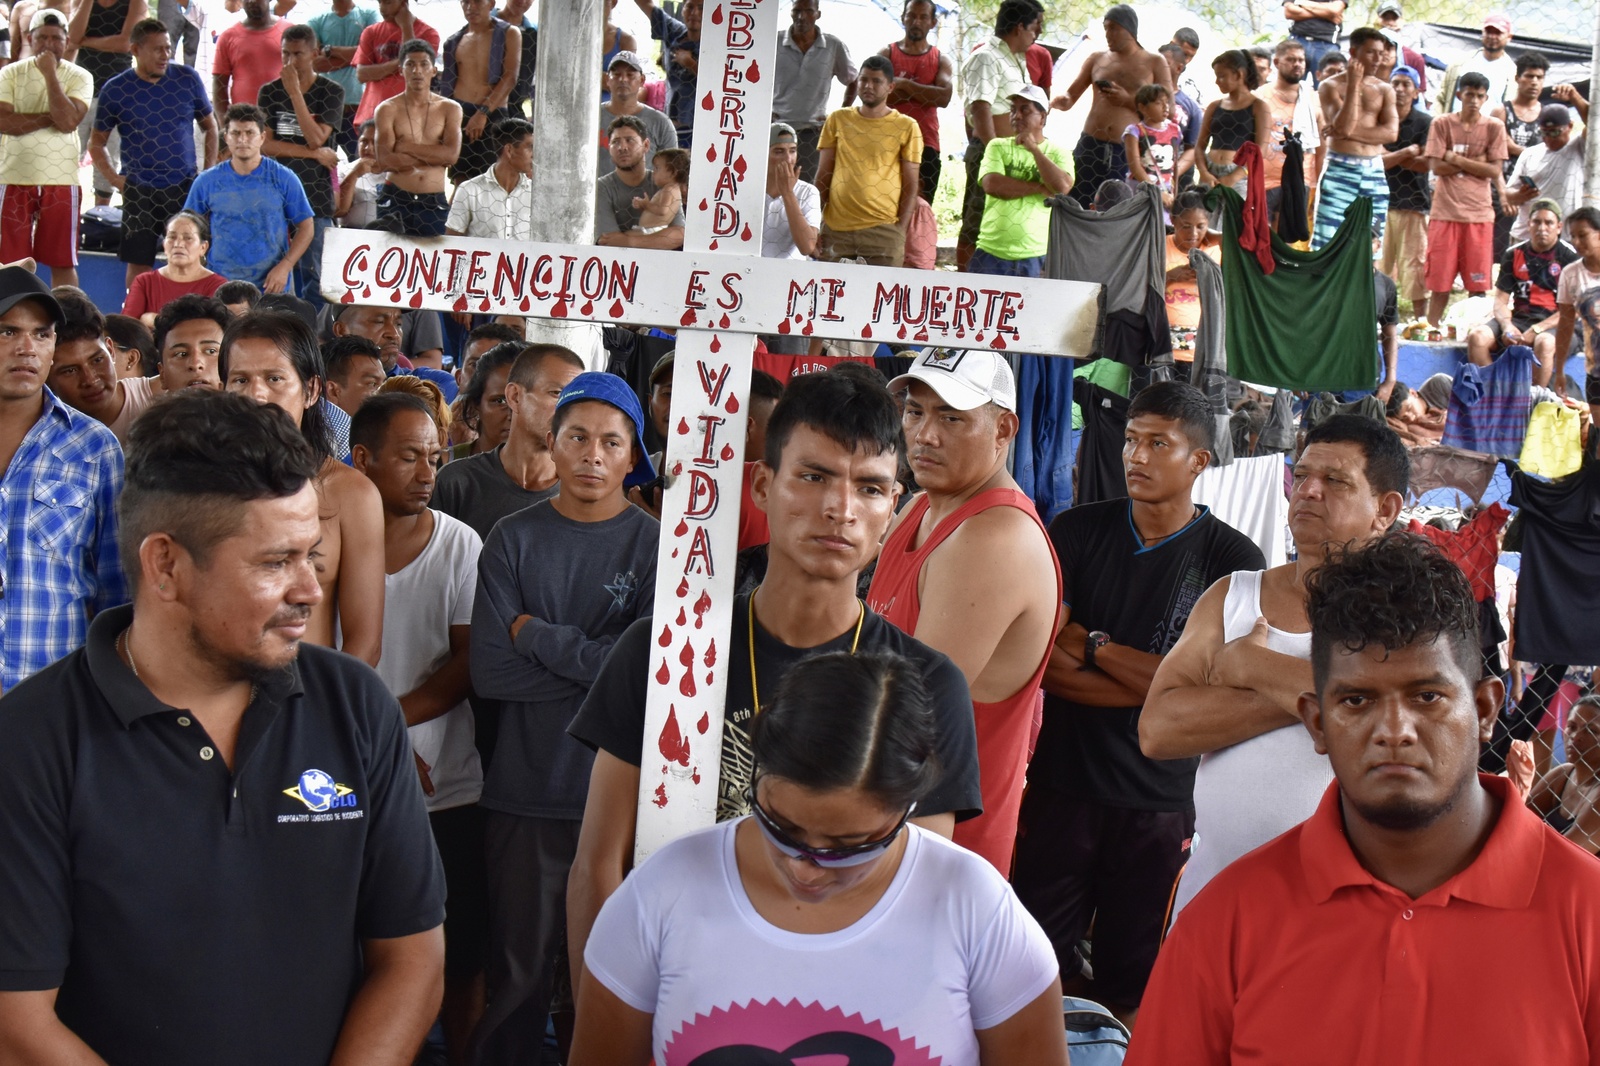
(973, 198)
(1080, 862)
(458, 833)
(411, 214)
(1095, 162)
(145, 214)
(932, 165)
(478, 155)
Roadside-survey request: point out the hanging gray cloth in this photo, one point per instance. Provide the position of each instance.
(1124, 251)
(1210, 340)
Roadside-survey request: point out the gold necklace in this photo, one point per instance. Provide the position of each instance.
(755, 697)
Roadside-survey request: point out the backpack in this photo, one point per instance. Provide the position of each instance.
(1094, 1035)
(100, 229)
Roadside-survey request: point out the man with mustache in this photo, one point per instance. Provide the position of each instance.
(246, 808)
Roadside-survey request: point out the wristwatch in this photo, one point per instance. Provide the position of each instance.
(1092, 643)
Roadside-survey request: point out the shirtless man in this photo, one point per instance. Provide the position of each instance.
(1229, 691)
(419, 136)
(1116, 75)
(1359, 124)
(273, 358)
(487, 57)
(1294, 108)
(968, 569)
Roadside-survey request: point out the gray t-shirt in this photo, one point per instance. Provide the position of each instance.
(657, 126)
(581, 584)
(478, 491)
(613, 204)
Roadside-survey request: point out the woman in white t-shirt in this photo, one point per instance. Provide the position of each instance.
(824, 924)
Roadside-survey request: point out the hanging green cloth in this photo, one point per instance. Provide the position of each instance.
(1310, 325)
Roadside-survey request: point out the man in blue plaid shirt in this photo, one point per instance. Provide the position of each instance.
(60, 474)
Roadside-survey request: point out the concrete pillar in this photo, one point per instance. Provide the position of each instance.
(1591, 150)
(566, 136)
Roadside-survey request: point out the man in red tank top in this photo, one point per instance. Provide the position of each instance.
(968, 569)
(923, 83)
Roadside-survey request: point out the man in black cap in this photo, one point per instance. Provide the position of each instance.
(215, 843)
(1115, 76)
(60, 475)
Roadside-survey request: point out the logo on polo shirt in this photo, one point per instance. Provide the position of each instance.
(320, 792)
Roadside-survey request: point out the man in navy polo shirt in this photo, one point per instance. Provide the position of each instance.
(155, 106)
(215, 843)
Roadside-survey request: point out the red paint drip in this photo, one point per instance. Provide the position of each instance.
(716, 15)
(716, 344)
(366, 292)
(394, 296)
(739, 167)
(460, 304)
(901, 333)
(661, 796)
(683, 427)
(999, 342)
(752, 73)
(662, 675)
(673, 744)
(677, 468)
(701, 606)
(704, 205)
(806, 329)
(703, 724)
(732, 405)
(587, 308)
(681, 528)
(745, 233)
(686, 656)
(866, 332)
(416, 299)
(348, 297)
(783, 327)
(978, 336)
(687, 319)
(525, 303)
(695, 777)
(686, 686)
(711, 655)
(727, 453)
(616, 309)
(707, 103)
(559, 310)
(682, 618)
(723, 321)
(665, 639)
(711, 154)
(683, 587)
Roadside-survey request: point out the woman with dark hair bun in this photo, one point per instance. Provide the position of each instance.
(825, 923)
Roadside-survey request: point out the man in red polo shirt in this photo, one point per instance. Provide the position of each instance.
(1364, 934)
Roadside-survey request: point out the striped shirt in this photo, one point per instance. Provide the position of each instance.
(58, 539)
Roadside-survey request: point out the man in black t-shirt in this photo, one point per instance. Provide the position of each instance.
(828, 488)
(1405, 236)
(214, 842)
(1525, 294)
(304, 109)
(1104, 829)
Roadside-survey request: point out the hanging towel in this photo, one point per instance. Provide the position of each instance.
(1255, 232)
(1124, 250)
(1553, 447)
(1558, 585)
(1105, 421)
(1475, 547)
(1210, 339)
(1043, 456)
(1248, 495)
(1489, 404)
(1309, 324)
(1292, 211)
(1433, 466)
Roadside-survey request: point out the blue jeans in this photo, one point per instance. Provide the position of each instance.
(1315, 50)
(984, 263)
(307, 280)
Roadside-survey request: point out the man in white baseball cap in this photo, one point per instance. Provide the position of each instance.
(968, 569)
(1018, 173)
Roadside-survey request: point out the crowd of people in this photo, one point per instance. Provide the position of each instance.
(327, 628)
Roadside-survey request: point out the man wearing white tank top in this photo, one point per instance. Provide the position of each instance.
(1229, 691)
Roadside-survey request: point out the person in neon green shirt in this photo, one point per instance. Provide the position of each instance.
(1017, 174)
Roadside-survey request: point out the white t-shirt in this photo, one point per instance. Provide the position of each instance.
(946, 951)
(420, 603)
(777, 241)
(1576, 279)
(1258, 789)
(137, 394)
(1558, 175)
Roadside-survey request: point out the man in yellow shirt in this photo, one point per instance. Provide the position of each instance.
(42, 100)
(867, 170)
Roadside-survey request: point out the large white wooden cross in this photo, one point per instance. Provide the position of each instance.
(719, 293)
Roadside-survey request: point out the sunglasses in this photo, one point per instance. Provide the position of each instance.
(832, 858)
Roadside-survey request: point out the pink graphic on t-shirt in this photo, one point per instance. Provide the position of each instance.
(759, 1034)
